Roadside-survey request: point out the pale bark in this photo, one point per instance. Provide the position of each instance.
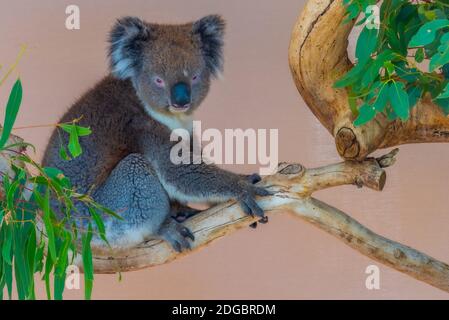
(318, 57)
(293, 186)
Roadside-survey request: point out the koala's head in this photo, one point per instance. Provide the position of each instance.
(169, 65)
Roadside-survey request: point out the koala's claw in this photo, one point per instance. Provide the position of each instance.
(176, 235)
(250, 207)
(247, 199)
(186, 233)
(264, 220)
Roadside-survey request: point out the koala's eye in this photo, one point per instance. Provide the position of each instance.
(159, 82)
(195, 78)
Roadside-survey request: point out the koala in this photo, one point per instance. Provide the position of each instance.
(159, 75)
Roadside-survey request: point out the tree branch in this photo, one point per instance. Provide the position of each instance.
(293, 186)
(318, 57)
(388, 252)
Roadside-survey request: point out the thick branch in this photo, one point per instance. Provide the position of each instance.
(318, 57)
(293, 185)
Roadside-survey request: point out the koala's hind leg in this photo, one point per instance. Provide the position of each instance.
(136, 194)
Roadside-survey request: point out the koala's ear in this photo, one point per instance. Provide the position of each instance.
(210, 30)
(127, 40)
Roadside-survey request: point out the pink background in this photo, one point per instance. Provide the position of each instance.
(288, 258)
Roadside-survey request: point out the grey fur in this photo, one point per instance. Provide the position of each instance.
(127, 39)
(211, 31)
(125, 164)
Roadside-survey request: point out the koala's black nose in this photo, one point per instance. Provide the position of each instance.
(180, 94)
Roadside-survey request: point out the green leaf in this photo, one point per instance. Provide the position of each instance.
(81, 131)
(366, 114)
(63, 154)
(445, 70)
(419, 55)
(12, 108)
(389, 67)
(39, 256)
(61, 266)
(87, 263)
(408, 23)
(21, 271)
(75, 132)
(7, 244)
(353, 10)
(351, 76)
(57, 176)
(382, 98)
(443, 104)
(444, 94)
(427, 33)
(414, 94)
(48, 268)
(441, 57)
(11, 196)
(99, 223)
(399, 100)
(430, 15)
(408, 74)
(107, 211)
(74, 145)
(366, 44)
(31, 247)
(374, 67)
(8, 278)
(394, 41)
(49, 226)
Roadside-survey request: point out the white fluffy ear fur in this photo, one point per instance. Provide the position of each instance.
(210, 30)
(127, 39)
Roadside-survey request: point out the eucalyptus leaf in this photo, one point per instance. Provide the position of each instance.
(445, 93)
(366, 114)
(87, 263)
(366, 44)
(419, 55)
(441, 57)
(399, 101)
(74, 145)
(427, 33)
(12, 108)
(49, 226)
(382, 98)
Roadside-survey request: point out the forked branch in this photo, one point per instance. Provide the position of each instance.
(318, 57)
(293, 186)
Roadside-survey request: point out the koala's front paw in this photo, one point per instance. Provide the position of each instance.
(253, 179)
(246, 198)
